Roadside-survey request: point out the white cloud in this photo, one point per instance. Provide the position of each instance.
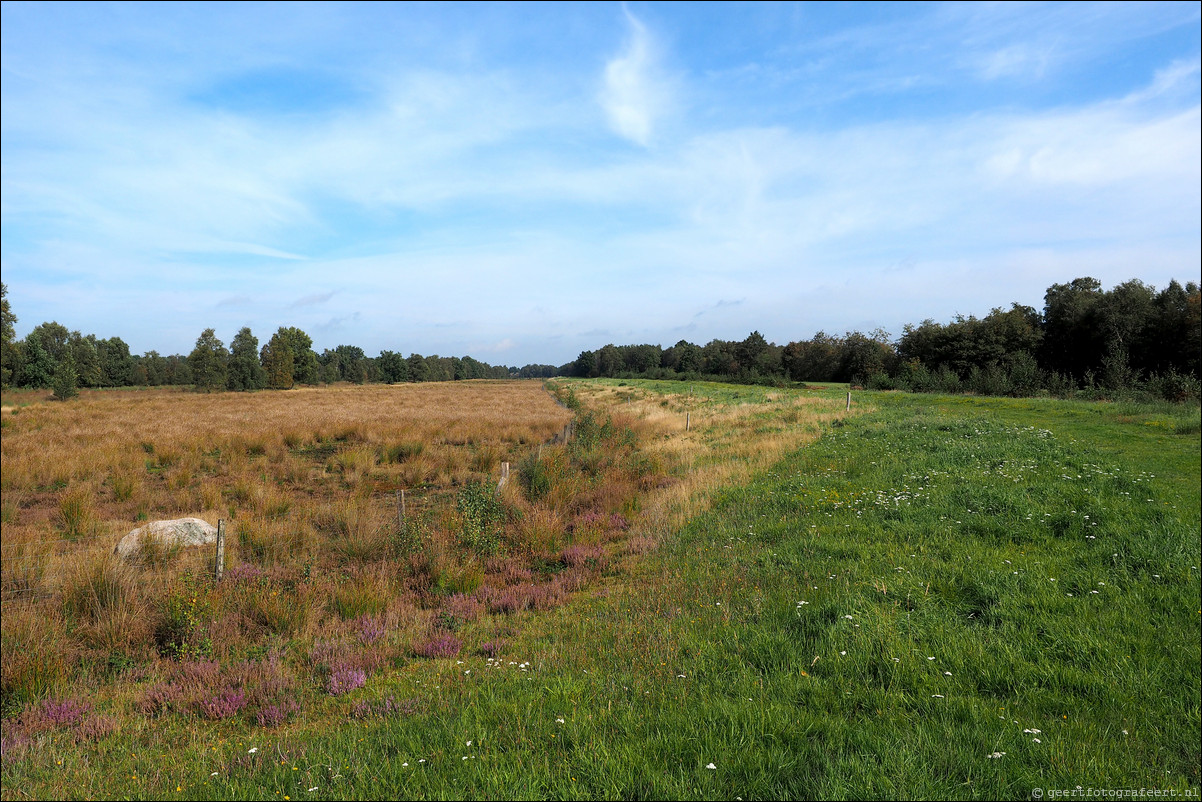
(635, 93)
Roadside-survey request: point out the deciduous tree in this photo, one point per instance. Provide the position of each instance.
(208, 362)
(245, 372)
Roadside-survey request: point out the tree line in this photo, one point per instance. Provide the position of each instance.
(1086, 340)
(54, 357)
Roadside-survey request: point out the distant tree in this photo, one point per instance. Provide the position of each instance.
(442, 368)
(1072, 342)
(55, 338)
(749, 353)
(304, 361)
(115, 362)
(177, 371)
(65, 382)
(419, 369)
(329, 367)
(208, 362)
(718, 357)
(1174, 334)
(585, 365)
(155, 367)
(642, 358)
(37, 364)
(83, 353)
(392, 367)
(276, 359)
(349, 361)
(8, 354)
(815, 360)
(864, 356)
(609, 361)
(688, 357)
(245, 372)
(469, 368)
(538, 372)
(7, 319)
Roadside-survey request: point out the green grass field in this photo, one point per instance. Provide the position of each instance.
(942, 597)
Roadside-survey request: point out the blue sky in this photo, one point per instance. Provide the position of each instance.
(521, 182)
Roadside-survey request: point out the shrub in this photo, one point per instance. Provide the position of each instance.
(161, 698)
(482, 516)
(54, 714)
(273, 715)
(245, 573)
(371, 629)
(443, 644)
(225, 704)
(461, 608)
(65, 380)
(536, 477)
(344, 679)
(181, 629)
(578, 556)
(492, 648)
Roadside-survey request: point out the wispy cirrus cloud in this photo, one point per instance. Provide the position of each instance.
(635, 92)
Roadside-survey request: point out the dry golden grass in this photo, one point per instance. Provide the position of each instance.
(301, 477)
(96, 466)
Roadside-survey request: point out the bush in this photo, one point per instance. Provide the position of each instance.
(1174, 386)
(344, 679)
(482, 516)
(443, 644)
(536, 477)
(65, 380)
(946, 380)
(181, 632)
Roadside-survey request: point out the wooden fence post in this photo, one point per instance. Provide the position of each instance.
(400, 509)
(849, 400)
(219, 563)
(504, 476)
(686, 421)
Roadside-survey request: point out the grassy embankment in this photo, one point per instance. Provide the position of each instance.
(948, 597)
